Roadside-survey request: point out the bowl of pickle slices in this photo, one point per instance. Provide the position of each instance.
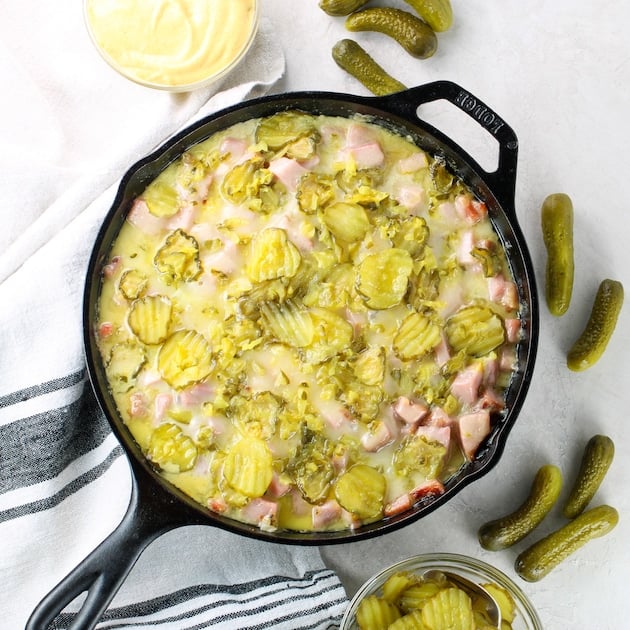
(430, 592)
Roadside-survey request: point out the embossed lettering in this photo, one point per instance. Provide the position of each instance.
(487, 118)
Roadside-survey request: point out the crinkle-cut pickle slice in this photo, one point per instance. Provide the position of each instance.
(150, 318)
(410, 621)
(347, 221)
(178, 258)
(332, 335)
(449, 609)
(280, 129)
(383, 277)
(417, 336)
(475, 329)
(133, 283)
(185, 358)
(374, 613)
(248, 467)
(272, 255)
(288, 323)
(161, 195)
(361, 490)
(171, 449)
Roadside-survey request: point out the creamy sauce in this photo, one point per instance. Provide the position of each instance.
(296, 344)
(171, 42)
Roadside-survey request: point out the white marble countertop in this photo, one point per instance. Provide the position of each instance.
(558, 73)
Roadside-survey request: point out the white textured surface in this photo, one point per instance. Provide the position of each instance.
(559, 74)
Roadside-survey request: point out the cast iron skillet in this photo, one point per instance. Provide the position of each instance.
(156, 506)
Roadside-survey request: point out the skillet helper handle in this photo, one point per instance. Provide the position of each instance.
(502, 181)
(103, 571)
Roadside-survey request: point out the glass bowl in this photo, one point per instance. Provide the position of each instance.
(477, 571)
(177, 47)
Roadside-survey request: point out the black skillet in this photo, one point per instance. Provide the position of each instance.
(156, 506)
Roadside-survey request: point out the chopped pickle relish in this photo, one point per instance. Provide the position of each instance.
(308, 323)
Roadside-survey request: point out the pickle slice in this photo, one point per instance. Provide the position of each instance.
(361, 490)
(150, 318)
(475, 329)
(133, 284)
(410, 621)
(449, 609)
(417, 336)
(178, 258)
(374, 613)
(248, 467)
(347, 221)
(171, 449)
(185, 358)
(383, 277)
(272, 255)
(125, 362)
(288, 323)
(161, 195)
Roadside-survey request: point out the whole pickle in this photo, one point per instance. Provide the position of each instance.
(596, 460)
(557, 229)
(414, 35)
(438, 14)
(352, 58)
(546, 554)
(340, 7)
(508, 530)
(590, 345)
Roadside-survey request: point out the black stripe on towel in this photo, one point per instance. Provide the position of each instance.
(272, 590)
(39, 447)
(34, 391)
(74, 486)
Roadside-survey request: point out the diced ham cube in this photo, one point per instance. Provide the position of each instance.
(435, 434)
(438, 418)
(184, 219)
(226, 260)
(288, 171)
(234, 147)
(261, 512)
(278, 487)
(414, 162)
(377, 438)
(503, 292)
(447, 211)
(408, 411)
(110, 269)
(473, 429)
(325, 514)
(431, 488)
(367, 156)
(466, 384)
(196, 394)
(217, 504)
(507, 359)
(442, 351)
(412, 197)
(357, 135)
(105, 330)
(469, 209)
(398, 505)
(465, 247)
(490, 400)
(162, 403)
(137, 405)
(140, 217)
(513, 329)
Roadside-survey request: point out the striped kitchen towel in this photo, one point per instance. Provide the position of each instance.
(69, 131)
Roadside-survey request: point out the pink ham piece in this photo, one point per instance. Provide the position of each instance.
(408, 411)
(503, 292)
(110, 269)
(325, 514)
(137, 405)
(140, 217)
(184, 219)
(490, 400)
(105, 330)
(435, 434)
(465, 247)
(162, 403)
(234, 147)
(412, 197)
(471, 210)
(414, 162)
(363, 148)
(466, 384)
(473, 429)
(288, 171)
(196, 394)
(398, 505)
(277, 488)
(513, 329)
(261, 512)
(376, 439)
(430, 488)
(439, 418)
(442, 351)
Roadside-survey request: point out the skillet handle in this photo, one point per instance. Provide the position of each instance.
(103, 571)
(502, 181)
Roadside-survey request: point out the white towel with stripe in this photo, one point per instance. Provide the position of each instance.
(70, 127)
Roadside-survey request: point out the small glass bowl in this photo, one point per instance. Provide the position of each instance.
(477, 571)
(204, 81)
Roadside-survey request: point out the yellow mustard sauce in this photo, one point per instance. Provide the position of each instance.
(171, 42)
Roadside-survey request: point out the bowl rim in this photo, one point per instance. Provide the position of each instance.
(445, 560)
(186, 87)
